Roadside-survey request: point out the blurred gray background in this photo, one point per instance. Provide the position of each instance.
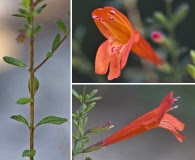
(122, 104)
(51, 142)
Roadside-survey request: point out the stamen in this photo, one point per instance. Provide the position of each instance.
(112, 12)
(93, 17)
(111, 18)
(172, 108)
(176, 98)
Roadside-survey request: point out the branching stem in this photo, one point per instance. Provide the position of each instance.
(62, 40)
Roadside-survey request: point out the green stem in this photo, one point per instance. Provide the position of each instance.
(31, 70)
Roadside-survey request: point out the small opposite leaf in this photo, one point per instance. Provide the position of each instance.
(93, 99)
(48, 55)
(160, 17)
(25, 3)
(23, 12)
(39, 1)
(19, 15)
(20, 119)
(24, 100)
(89, 107)
(37, 29)
(61, 25)
(39, 10)
(75, 94)
(51, 120)
(191, 70)
(56, 42)
(14, 62)
(83, 107)
(78, 147)
(36, 85)
(28, 153)
(93, 93)
(192, 54)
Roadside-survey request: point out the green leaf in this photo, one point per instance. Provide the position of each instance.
(192, 54)
(61, 25)
(51, 120)
(24, 100)
(48, 55)
(56, 42)
(83, 107)
(39, 10)
(191, 70)
(93, 99)
(36, 85)
(23, 12)
(74, 115)
(93, 93)
(78, 147)
(88, 158)
(25, 3)
(181, 13)
(39, 1)
(19, 15)
(14, 62)
(37, 29)
(84, 139)
(160, 17)
(75, 94)
(28, 153)
(89, 107)
(75, 122)
(20, 119)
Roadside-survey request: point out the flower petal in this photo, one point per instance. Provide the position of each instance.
(172, 124)
(125, 50)
(166, 103)
(115, 70)
(144, 50)
(111, 26)
(103, 57)
(120, 17)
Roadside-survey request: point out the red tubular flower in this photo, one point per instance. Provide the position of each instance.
(121, 38)
(158, 117)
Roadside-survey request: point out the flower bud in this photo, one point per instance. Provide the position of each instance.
(157, 36)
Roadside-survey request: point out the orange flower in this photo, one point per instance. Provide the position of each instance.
(158, 117)
(121, 38)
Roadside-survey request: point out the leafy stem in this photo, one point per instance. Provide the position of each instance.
(45, 60)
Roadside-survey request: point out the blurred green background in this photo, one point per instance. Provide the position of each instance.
(124, 103)
(87, 39)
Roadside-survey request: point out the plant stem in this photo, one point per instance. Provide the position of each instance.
(31, 70)
(62, 40)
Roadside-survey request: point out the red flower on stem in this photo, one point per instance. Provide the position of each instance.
(121, 38)
(156, 118)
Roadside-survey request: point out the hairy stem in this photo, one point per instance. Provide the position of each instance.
(31, 70)
(45, 60)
